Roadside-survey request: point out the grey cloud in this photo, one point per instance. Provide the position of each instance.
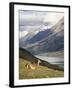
(31, 17)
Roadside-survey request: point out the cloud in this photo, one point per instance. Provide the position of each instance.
(31, 17)
(30, 21)
(53, 17)
(23, 34)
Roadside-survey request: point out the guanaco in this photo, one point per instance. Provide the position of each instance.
(33, 65)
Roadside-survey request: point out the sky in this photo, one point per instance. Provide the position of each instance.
(37, 20)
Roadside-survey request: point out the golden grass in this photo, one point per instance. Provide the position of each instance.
(39, 72)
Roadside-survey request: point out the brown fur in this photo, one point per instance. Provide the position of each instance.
(33, 65)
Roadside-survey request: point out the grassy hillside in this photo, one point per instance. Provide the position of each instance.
(39, 72)
(29, 57)
(44, 70)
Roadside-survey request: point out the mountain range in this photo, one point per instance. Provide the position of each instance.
(48, 40)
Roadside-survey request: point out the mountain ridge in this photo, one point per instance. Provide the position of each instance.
(52, 42)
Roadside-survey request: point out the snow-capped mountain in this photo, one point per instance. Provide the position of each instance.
(27, 33)
(47, 40)
(23, 40)
(44, 39)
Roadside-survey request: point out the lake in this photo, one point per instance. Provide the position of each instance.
(53, 60)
